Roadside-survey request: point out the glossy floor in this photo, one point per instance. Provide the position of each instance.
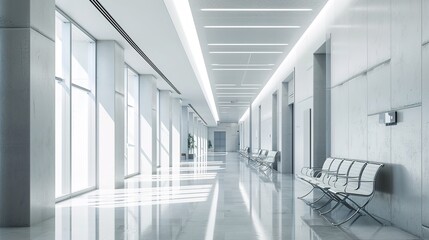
(217, 197)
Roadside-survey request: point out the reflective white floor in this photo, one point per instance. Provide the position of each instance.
(218, 197)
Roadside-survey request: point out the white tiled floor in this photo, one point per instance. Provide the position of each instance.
(218, 197)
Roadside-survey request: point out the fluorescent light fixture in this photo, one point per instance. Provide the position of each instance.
(247, 52)
(236, 88)
(242, 65)
(226, 84)
(236, 106)
(242, 69)
(248, 44)
(245, 115)
(236, 93)
(181, 15)
(256, 9)
(253, 27)
(234, 96)
(314, 32)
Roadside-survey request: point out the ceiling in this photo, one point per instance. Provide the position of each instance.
(243, 43)
(149, 24)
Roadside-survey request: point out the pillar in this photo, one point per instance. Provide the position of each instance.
(27, 112)
(148, 131)
(111, 114)
(176, 112)
(165, 128)
(184, 131)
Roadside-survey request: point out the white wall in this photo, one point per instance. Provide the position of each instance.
(232, 135)
(376, 67)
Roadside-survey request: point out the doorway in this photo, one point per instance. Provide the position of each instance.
(287, 123)
(220, 141)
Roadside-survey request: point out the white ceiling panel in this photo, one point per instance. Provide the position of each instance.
(243, 43)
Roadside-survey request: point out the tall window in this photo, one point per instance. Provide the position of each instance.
(132, 165)
(75, 158)
(62, 107)
(83, 111)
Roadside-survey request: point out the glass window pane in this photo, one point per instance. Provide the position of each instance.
(62, 136)
(59, 33)
(132, 161)
(83, 140)
(83, 59)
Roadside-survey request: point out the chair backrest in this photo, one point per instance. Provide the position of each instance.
(354, 174)
(256, 151)
(327, 164)
(367, 179)
(271, 157)
(343, 171)
(333, 169)
(263, 153)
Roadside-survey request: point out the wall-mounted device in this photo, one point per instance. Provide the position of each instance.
(389, 118)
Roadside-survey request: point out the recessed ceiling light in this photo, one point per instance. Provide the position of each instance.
(254, 27)
(256, 9)
(247, 52)
(242, 65)
(242, 69)
(248, 44)
(237, 88)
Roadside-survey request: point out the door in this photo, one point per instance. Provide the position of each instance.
(220, 141)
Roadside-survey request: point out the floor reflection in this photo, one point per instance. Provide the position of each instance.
(213, 197)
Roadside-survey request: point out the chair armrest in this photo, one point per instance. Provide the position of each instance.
(345, 176)
(361, 181)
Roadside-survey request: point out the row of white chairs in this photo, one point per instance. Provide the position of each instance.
(260, 158)
(342, 181)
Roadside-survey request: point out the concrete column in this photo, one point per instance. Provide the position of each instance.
(27, 112)
(165, 131)
(148, 112)
(176, 112)
(184, 130)
(111, 114)
(196, 136)
(191, 129)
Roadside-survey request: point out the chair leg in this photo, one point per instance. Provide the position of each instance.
(318, 200)
(324, 205)
(307, 194)
(372, 216)
(330, 210)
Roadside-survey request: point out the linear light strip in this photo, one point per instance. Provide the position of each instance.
(226, 84)
(253, 27)
(247, 44)
(234, 96)
(242, 65)
(125, 35)
(236, 88)
(303, 43)
(180, 13)
(256, 9)
(236, 93)
(242, 69)
(248, 52)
